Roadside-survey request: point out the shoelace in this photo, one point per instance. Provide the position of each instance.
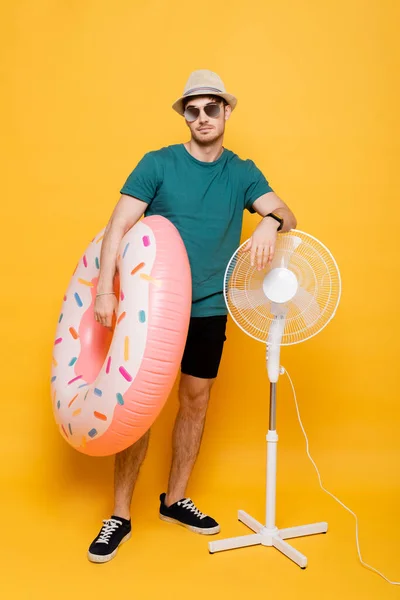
(188, 504)
(110, 525)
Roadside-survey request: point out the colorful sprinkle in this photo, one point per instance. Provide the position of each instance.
(78, 300)
(83, 385)
(92, 433)
(146, 240)
(73, 333)
(100, 416)
(142, 316)
(100, 238)
(120, 399)
(55, 363)
(58, 404)
(125, 374)
(77, 412)
(60, 319)
(73, 399)
(96, 260)
(72, 361)
(98, 392)
(151, 279)
(62, 427)
(88, 283)
(122, 295)
(84, 441)
(75, 269)
(65, 298)
(69, 427)
(58, 341)
(137, 268)
(125, 250)
(108, 365)
(121, 316)
(53, 378)
(126, 348)
(74, 379)
(86, 395)
(84, 260)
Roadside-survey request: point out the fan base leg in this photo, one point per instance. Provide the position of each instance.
(270, 537)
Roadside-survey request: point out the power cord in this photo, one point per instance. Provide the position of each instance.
(282, 371)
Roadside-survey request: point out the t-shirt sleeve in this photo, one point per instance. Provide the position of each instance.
(144, 180)
(255, 185)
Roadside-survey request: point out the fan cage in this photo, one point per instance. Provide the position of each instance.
(314, 304)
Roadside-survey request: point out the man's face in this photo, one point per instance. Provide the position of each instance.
(206, 130)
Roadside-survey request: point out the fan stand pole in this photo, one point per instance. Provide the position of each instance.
(270, 535)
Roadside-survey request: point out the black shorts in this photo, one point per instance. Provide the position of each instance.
(204, 344)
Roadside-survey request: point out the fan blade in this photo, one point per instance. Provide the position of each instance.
(279, 310)
(243, 299)
(283, 252)
(307, 305)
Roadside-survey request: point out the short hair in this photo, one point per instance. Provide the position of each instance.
(210, 97)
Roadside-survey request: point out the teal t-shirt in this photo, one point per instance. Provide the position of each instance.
(205, 201)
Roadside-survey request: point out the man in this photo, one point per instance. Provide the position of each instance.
(203, 189)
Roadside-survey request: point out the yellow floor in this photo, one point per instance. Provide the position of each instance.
(47, 527)
(53, 501)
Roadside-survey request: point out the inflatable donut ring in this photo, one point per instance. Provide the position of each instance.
(108, 387)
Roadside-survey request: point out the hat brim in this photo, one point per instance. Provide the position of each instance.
(178, 104)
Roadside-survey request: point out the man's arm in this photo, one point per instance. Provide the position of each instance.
(262, 242)
(270, 202)
(126, 213)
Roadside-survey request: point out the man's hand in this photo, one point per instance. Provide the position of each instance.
(104, 308)
(262, 243)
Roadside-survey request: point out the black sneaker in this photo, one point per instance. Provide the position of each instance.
(185, 513)
(115, 531)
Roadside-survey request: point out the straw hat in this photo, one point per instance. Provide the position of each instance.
(204, 82)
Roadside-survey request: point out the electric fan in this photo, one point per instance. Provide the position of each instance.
(287, 303)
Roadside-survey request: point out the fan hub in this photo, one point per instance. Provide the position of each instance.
(280, 285)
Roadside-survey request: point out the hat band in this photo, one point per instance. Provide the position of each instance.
(209, 89)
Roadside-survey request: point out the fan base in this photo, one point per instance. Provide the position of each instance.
(269, 537)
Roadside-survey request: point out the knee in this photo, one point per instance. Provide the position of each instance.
(194, 398)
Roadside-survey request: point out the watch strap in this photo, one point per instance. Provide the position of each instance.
(279, 219)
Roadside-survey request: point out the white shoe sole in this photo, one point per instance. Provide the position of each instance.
(206, 531)
(97, 558)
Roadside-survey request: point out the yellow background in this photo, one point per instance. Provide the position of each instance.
(87, 88)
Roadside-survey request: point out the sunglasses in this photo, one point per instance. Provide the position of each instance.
(192, 112)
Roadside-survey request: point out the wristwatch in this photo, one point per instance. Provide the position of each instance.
(279, 219)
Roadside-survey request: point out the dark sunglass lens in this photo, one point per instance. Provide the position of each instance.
(191, 113)
(212, 110)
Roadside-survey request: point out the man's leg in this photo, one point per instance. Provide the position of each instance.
(117, 530)
(126, 470)
(194, 394)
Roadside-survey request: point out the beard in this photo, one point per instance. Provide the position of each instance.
(207, 139)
